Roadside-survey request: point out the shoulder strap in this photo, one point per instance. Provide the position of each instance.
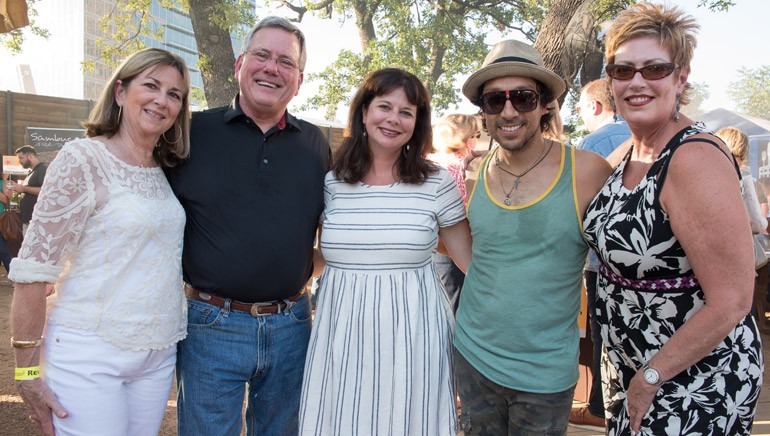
(663, 172)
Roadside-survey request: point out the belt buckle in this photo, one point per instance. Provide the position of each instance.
(255, 307)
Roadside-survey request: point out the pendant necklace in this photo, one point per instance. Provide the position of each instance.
(517, 181)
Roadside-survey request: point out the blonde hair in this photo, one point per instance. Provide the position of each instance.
(453, 132)
(105, 116)
(675, 32)
(736, 141)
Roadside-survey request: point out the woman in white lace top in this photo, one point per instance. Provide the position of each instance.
(107, 230)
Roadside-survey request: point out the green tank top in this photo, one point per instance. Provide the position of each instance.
(517, 320)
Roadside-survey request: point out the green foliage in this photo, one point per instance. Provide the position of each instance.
(14, 40)
(121, 29)
(437, 40)
(751, 92)
(129, 21)
(716, 5)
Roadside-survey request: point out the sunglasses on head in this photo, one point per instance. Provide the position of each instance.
(523, 100)
(649, 72)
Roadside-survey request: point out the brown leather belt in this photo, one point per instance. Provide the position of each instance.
(255, 309)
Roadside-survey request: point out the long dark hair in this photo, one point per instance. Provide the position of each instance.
(354, 159)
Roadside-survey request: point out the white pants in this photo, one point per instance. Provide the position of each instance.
(106, 390)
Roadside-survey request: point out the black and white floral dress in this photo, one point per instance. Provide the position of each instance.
(646, 291)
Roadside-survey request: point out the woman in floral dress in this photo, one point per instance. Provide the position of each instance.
(675, 288)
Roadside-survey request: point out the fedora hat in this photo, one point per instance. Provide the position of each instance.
(512, 58)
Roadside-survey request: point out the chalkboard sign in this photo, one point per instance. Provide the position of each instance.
(49, 139)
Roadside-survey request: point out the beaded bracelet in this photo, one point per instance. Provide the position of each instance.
(26, 344)
(30, 373)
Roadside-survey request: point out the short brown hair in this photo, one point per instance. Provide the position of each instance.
(599, 90)
(675, 32)
(26, 149)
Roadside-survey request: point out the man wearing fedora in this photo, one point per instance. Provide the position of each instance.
(516, 343)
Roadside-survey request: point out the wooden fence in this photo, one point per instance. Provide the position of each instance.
(19, 111)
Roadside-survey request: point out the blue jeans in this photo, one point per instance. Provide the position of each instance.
(595, 400)
(224, 352)
(489, 409)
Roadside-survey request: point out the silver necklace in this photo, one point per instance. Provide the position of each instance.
(516, 181)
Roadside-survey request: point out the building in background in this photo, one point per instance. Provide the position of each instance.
(74, 29)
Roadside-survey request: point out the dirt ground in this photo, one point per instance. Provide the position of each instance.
(13, 413)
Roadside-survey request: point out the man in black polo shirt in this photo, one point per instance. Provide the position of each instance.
(253, 191)
(30, 189)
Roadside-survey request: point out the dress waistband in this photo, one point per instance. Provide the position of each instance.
(681, 283)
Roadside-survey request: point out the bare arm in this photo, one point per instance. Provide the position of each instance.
(27, 320)
(31, 190)
(457, 240)
(319, 263)
(592, 172)
(702, 199)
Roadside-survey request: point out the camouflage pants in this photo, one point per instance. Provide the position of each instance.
(489, 409)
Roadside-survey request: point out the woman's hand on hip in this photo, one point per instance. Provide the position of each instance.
(41, 404)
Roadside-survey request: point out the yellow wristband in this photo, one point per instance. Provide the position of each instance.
(30, 373)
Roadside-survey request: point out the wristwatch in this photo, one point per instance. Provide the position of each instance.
(651, 375)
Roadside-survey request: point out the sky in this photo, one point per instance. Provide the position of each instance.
(727, 41)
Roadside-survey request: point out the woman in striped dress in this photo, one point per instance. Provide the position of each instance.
(380, 359)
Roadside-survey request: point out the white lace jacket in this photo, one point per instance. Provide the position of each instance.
(110, 235)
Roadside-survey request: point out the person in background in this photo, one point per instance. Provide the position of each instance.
(380, 356)
(753, 194)
(607, 132)
(516, 339)
(253, 192)
(738, 143)
(454, 138)
(5, 204)
(30, 189)
(675, 285)
(108, 231)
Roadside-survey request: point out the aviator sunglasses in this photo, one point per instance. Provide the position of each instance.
(649, 72)
(523, 100)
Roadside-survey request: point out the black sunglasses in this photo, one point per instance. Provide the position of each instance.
(649, 72)
(523, 100)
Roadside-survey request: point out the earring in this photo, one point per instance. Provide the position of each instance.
(678, 105)
(406, 149)
(178, 136)
(120, 113)
(365, 134)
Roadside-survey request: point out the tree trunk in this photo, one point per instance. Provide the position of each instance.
(364, 16)
(217, 63)
(550, 41)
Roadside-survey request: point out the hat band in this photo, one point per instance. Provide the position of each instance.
(513, 59)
